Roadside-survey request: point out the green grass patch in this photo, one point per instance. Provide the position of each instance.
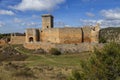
(61, 60)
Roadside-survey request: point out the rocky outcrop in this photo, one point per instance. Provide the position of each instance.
(110, 34)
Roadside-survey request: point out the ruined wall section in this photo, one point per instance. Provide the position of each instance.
(86, 30)
(95, 34)
(2, 42)
(17, 40)
(65, 48)
(50, 35)
(70, 35)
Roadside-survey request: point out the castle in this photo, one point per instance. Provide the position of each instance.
(49, 34)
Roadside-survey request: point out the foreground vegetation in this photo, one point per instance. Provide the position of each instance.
(24, 64)
(4, 35)
(103, 65)
(18, 63)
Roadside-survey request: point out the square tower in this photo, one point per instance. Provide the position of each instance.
(47, 21)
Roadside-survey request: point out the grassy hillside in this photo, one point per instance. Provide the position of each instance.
(34, 65)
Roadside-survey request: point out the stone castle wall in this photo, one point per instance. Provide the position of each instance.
(70, 35)
(50, 35)
(32, 35)
(2, 42)
(86, 34)
(62, 35)
(46, 46)
(17, 40)
(65, 48)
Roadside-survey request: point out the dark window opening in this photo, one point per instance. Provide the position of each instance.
(31, 39)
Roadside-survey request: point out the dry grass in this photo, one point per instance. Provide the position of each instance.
(41, 66)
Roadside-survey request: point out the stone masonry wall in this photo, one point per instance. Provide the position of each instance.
(17, 40)
(70, 35)
(32, 33)
(50, 35)
(64, 48)
(2, 42)
(86, 34)
(38, 45)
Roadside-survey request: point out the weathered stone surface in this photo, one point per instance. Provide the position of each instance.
(47, 21)
(70, 35)
(64, 48)
(17, 40)
(50, 35)
(2, 42)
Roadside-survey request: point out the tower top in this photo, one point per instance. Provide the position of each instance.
(47, 21)
(47, 15)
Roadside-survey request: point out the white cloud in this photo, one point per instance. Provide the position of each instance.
(36, 17)
(30, 24)
(111, 18)
(111, 13)
(89, 14)
(6, 12)
(90, 22)
(103, 23)
(17, 20)
(38, 5)
(2, 24)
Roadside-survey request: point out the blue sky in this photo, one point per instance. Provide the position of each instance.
(17, 15)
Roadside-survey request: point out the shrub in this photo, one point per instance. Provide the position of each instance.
(103, 65)
(75, 76)
(10, 54)
(24, 72)
(54, 51)
(39, 51)
(61, 76)
(102, 40)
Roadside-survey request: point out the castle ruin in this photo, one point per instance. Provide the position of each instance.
(49, 34)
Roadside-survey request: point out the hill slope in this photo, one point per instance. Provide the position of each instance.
(110, 34)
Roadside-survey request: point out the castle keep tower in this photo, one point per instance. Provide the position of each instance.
(47, 21)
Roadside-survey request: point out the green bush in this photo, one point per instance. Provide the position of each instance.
(102, 40)
(54, 51)
(103, 65)
(23, 73)
(75, 76)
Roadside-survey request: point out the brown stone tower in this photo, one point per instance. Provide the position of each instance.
(47, 21)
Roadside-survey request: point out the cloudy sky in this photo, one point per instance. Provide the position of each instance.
(17, 15)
